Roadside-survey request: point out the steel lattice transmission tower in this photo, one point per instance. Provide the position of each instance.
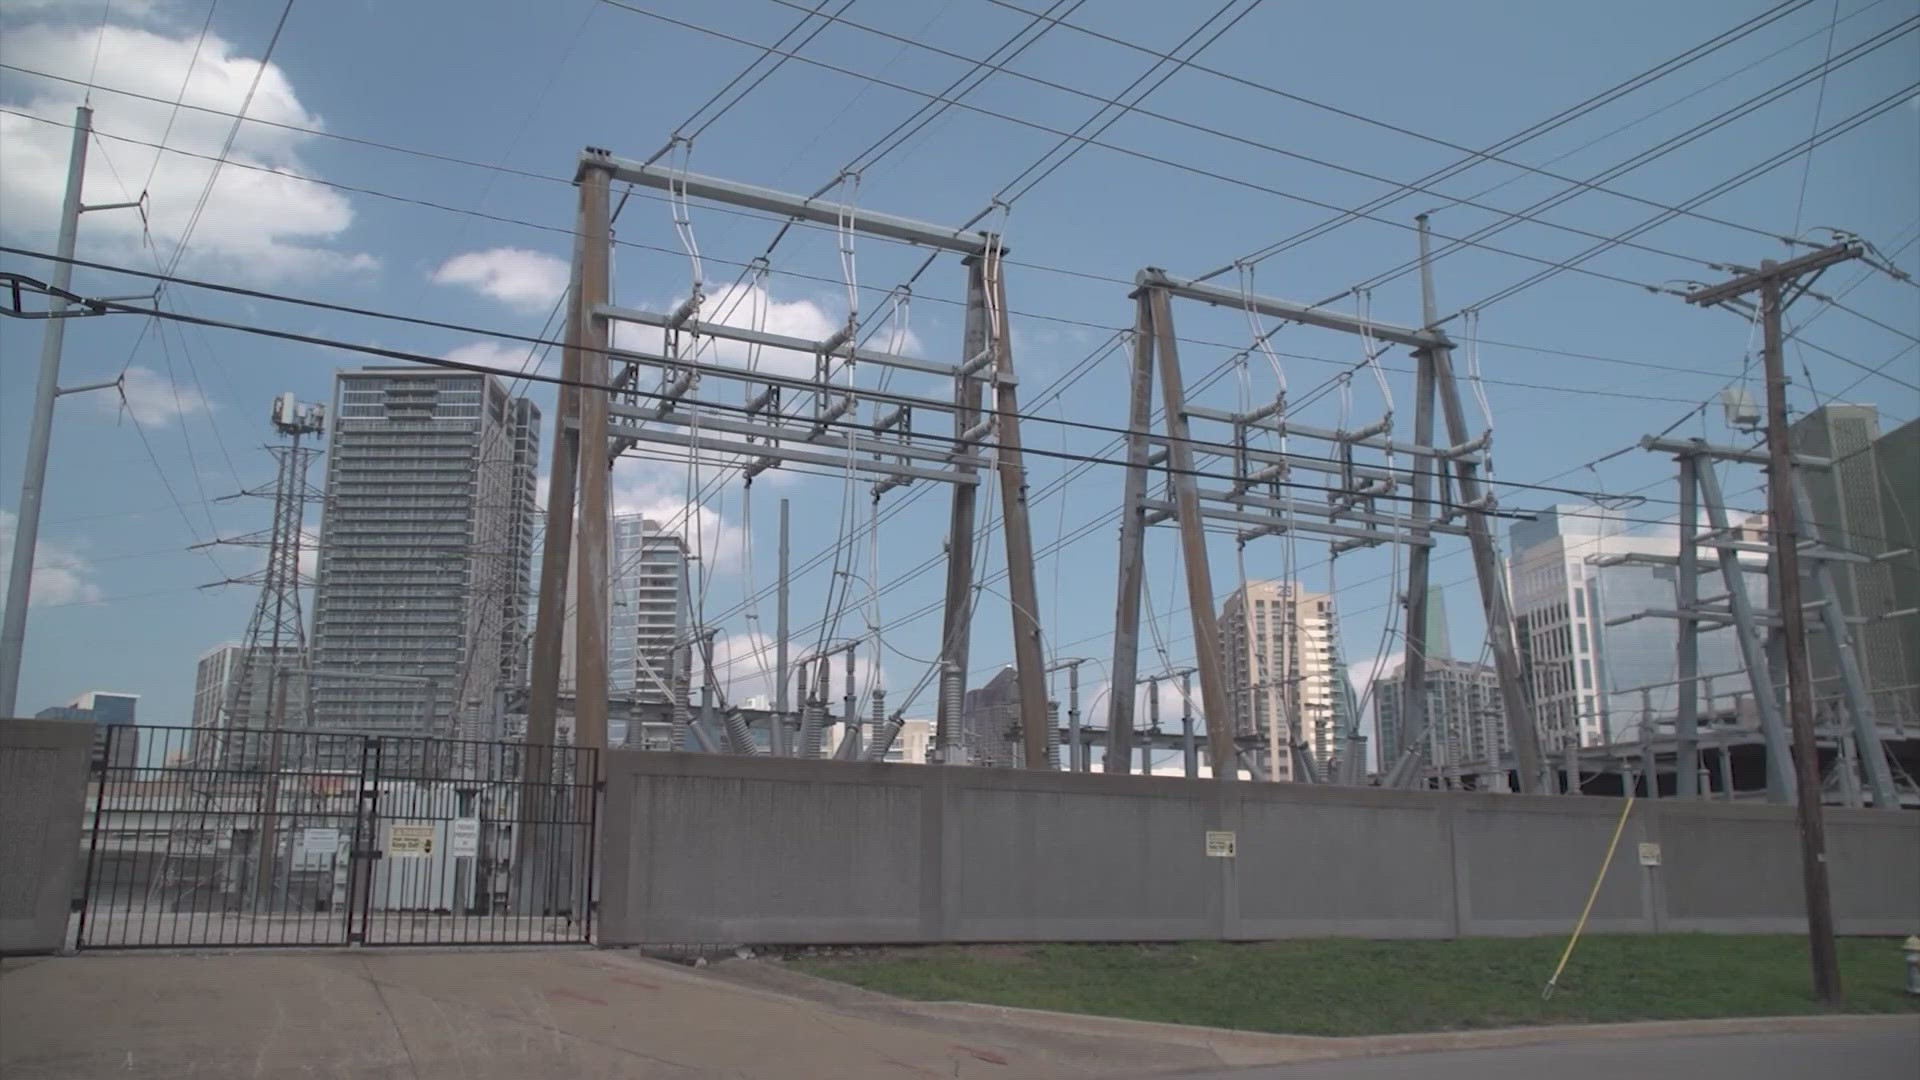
(274, 648)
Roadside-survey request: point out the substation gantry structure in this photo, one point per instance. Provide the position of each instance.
(615, 398)
(1447, 497)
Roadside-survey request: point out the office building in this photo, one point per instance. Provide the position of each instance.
(1573, 569)
(648, 613)
(1277, 640)
(113, 715)
(425, 552)
(215, 690)
(1464, 718)
(989, 717)
(1857, 508)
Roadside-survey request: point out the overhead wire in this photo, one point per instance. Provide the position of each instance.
(502, 219)
(1582, 108)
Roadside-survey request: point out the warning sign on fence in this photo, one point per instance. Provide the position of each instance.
(463, 838)
(409, 841)
(1221, 845)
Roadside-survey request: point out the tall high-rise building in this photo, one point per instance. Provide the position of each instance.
(1278, 643)
(425, 552)
(1854, 510)
(1465, 720)
(1587, 677)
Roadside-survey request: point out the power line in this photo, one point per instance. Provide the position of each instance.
(1205, 446)
(1659, 150)
(1142, 155)
(1475, 156)
(1136, 108)
(185, 80)
(503, 219)
(193, 220)
(1819, 103)
(1869, 113)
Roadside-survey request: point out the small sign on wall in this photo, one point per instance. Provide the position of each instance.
(1650, 854)
(1220, 845)
(463, 837)
(409, 841)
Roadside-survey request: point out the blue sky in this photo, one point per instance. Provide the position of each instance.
(1578, 366)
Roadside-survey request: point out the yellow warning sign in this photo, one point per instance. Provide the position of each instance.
(409, 841)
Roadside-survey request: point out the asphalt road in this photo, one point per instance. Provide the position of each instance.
(1784, 1056)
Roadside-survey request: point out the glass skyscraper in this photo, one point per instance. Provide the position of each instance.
(1591, 681)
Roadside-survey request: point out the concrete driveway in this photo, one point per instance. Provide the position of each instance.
(535, 1014)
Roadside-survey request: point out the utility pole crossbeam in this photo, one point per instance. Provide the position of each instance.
(1770, 282)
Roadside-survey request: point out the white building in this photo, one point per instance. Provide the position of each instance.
(1283, 671)
(648, 608)
(1568, 582)
(214, 689)
(425, 551)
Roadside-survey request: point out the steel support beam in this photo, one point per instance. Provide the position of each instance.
(1376, 442)
(1133, 530)
(749, 336)
(1866, 731)
(768, 378)
(1271, 524)
(817, 210)
(1029, 658)
(956, 629)
(1214, 699)
(960, 477)
(635, 420)
(1686, 721)
(1157, 279)
(1780, 781)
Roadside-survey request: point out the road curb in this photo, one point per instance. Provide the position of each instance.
(1261, 1048)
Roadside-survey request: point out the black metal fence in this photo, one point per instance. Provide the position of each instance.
(305, 838)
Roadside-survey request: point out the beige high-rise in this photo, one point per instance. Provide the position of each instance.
(1277, 643)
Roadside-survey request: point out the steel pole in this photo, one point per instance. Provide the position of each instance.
(1686, 718)
(1117, 756)
(777, 725)
(33, 482)
(1023, 596)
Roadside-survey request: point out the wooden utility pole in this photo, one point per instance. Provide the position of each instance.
(1771, 281)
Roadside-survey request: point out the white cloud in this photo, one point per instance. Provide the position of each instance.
(154, 399)
(503, 356)
(264, 225)
(60, 575)
(529, 282)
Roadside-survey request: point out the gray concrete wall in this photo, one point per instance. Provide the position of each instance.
(43, 790)
(701, 848)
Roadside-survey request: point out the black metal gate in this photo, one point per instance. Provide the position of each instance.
(302, 838)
